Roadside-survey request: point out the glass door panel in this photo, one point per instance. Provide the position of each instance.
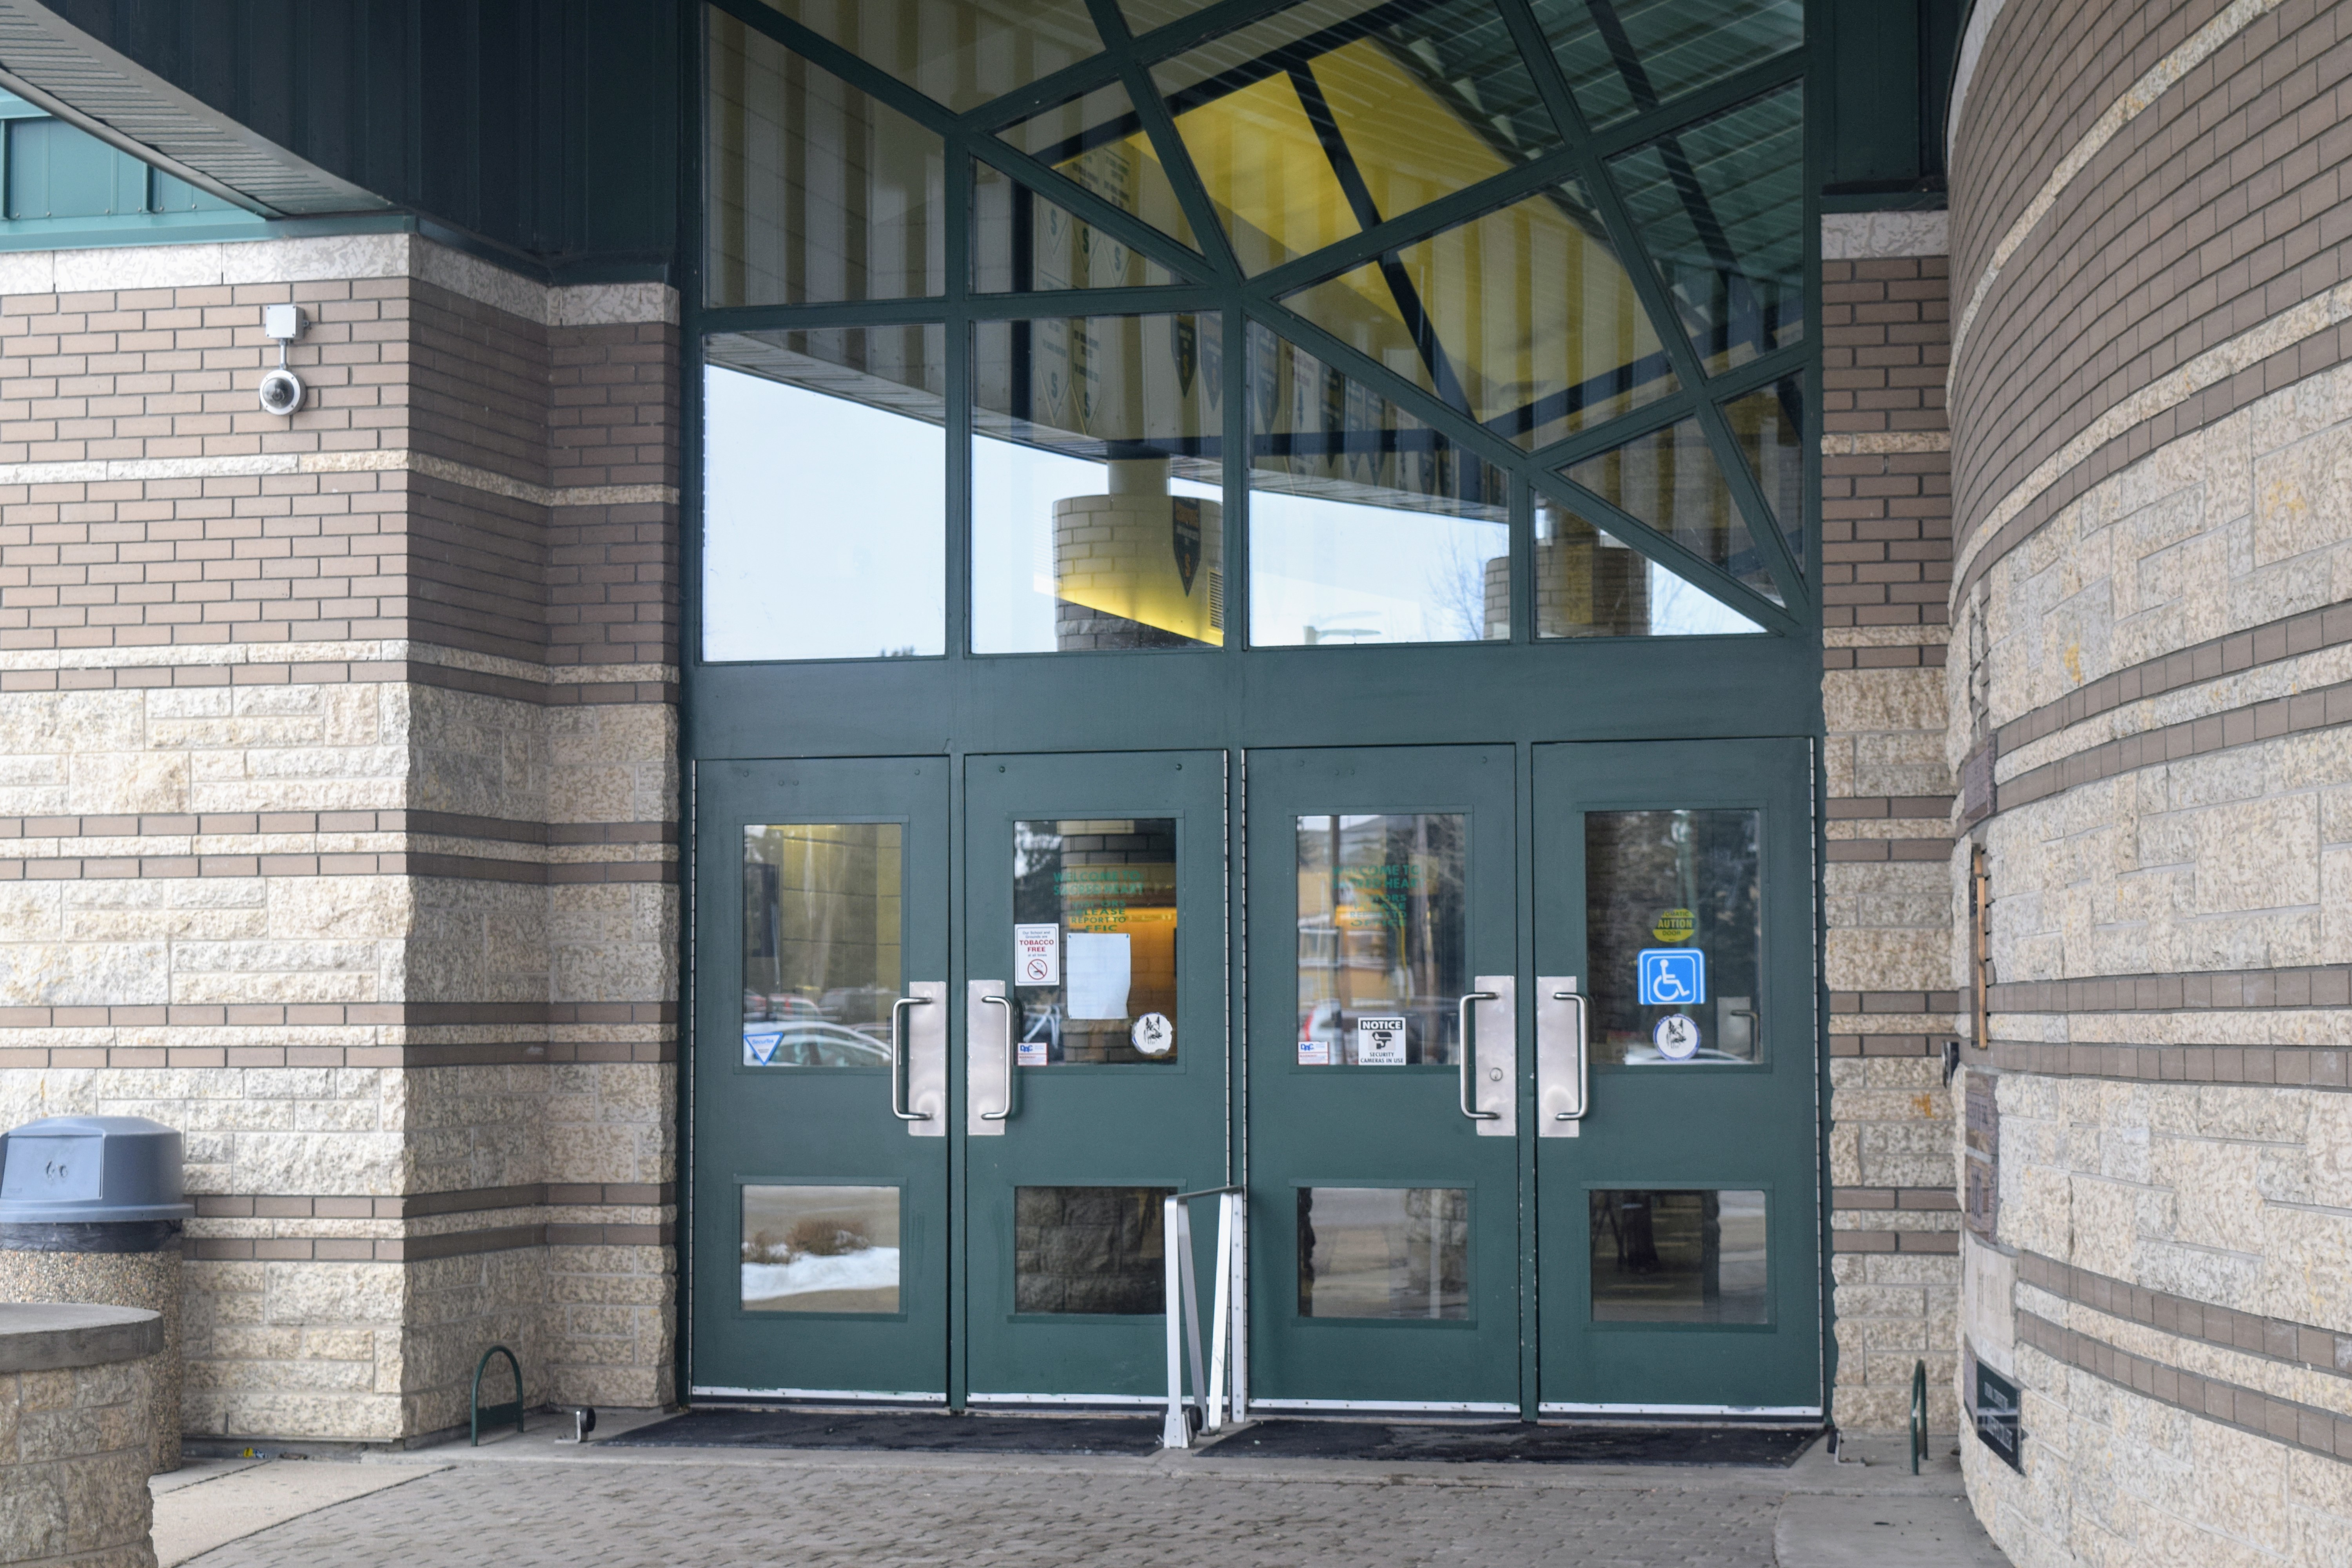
(820, 1258)
(1095, 930)
(1678, 1236)
(1384, 1218)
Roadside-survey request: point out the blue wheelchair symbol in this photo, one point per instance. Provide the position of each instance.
(1673, 976)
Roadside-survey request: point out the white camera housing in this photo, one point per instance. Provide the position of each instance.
(281, 391)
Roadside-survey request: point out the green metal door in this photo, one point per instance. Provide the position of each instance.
(1095, 1061)
(1677, 1219)
(820, 1217)
(1384, 1215)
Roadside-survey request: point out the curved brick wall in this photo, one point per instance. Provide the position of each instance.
(2149, 692)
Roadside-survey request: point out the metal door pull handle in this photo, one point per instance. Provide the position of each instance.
(898, 1058)
(1583, 1059)
(999, 1115)
(1467, 998)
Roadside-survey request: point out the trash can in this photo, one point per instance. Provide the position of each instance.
(90, 1211)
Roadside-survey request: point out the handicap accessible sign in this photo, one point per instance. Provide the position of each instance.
(1673, 976)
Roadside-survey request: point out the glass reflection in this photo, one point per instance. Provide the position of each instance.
(1021, 241)
(1669, 480)
(817, 193)
(1366, 525)
(1384, 1252)
(1719, 207)
(960, 52)
(820, 1249)
(1098, 140)
(1674, 879)
(1096, 477)
(821, 943)
(1591, 583)
(1525, 318)
(806, 556)
(1089, 1249)
(1327, 118)
(1687, 1257)
(1093, 922)
(1624, 56)
(1383, 939)
(1770, 426)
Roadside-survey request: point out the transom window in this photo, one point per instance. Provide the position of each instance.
(1044, 326)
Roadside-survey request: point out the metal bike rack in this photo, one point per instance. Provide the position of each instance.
(1227, 1355)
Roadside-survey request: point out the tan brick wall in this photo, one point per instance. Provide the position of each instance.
(337, 814)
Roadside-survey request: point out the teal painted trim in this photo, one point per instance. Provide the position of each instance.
(129, 228)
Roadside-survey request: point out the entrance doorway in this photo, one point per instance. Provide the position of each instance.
(1524, 1098)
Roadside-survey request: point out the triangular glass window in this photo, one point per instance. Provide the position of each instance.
(819, 194)
(1719, 206)
(1592, 583)
(1770, 426)
(1669, 481)
(961, 52)
(1326, 119)
(1022, 242)
(1626, 56)
(1366, 523)
(1524, 319)
(1098, 140)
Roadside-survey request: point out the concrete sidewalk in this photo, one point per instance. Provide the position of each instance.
(527, 1502)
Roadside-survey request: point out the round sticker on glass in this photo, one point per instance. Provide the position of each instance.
(1677, 1037)
(1675, 926)
(1153, 1035)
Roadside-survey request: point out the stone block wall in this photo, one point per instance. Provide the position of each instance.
(338, 802)
(1885, 565)
(77, 1435)
(2150, 684)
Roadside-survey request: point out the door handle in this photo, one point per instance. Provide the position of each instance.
(1563, 1056)
(898, 1058)
(1462, 1056)
(1006, 1109)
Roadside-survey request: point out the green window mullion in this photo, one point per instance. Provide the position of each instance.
(1240, 451)
(1695, 569)
(846, 313)
(958, 520)
(1676, 338)
(1754, 82)
(824, 52)
(1190, 193)
(1059, 188)
(1424, 405)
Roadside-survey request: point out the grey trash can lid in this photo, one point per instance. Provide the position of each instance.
(91, 1170)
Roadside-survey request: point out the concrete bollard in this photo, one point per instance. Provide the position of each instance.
(76, 1403)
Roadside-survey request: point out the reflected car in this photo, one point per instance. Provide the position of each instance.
(811, 1043)
(783, 1006)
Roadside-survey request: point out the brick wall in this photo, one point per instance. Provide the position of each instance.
(1885, 564)
(338, 815)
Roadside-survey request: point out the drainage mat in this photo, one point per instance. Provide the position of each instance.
(899, 1432)
(1518, 1442)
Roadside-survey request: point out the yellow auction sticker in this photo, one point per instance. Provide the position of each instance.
(1674, 925)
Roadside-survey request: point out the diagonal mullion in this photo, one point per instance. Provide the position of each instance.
(1423, 406)
(1160, 127)
(1064, 192)
(871, 80)
(1700, 103)
(1625, 239)
(1447, 212)
(1665, 551)
(1180, 300)
(1760, 373)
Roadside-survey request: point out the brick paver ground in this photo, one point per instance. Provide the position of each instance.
(537, 1514)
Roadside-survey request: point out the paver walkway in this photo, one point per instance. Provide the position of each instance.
(527, 1504)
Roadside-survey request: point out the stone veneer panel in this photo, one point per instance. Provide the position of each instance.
(337, 816)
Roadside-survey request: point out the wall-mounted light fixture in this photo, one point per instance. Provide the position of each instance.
(281, 389)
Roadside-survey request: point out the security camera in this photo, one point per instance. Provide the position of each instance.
(281, 391)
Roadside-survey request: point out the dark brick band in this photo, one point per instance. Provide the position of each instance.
(2283, 1066)
(2312, 985)
(2248, 1409)
(2276, 1338)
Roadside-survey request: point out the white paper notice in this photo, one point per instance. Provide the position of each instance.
(1037, 954)
(1100, 973)
(1379, 1042)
